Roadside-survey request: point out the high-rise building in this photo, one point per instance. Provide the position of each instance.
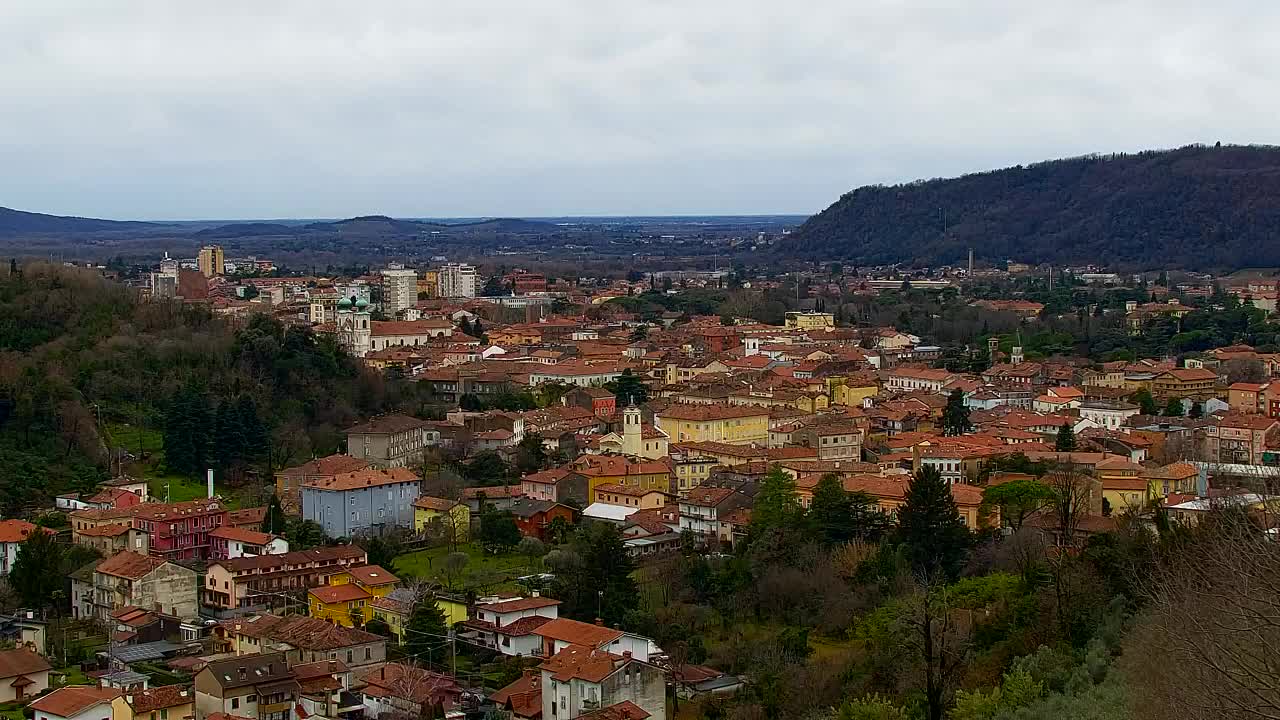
(457, 280)
(399, 289)
(211, 260)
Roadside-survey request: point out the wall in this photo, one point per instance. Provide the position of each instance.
(174, 587)
(344, 513)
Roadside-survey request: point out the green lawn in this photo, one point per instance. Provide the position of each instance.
(74, 675)
(482, 572)
(148, 443)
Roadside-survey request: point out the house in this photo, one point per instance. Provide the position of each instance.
(703, 508)
(1182, 383)
(557, 484)
(450, 519)
(508, 625)
(180, 531)
(389, 441)
(629, 496)
(362, 501)
(322, 687)
(621, 470)
(349, 595)
(523, 697)
(563, 632)
(533, 516)
(1108, 414)
(233, 542)
(289, 481)
(302, 639)
(1248, 398)
(834, 441)
(129, 579)
(395, 607)
(1241, 439)
(252, 686)
(398, 690)
(498, 497)
(12, 534)
(733, 424)
(584, 682)
(75, 702)
(111, 538)
(599, 401)
(163, 702)
(912, 378)
(134, 626)
(247, 518)
(890, 493)
(23, 674)
(258, 581)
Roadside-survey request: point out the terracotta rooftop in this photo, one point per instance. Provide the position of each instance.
(386, 424)
(578, 633)
(241, 535)
(581, 662)
(129, 565)
(158, 697)
(518, 605)
(372, 575)
(692, 412)
(70, 701)
(15, 531)
(344, 593)
(427, 502)
(369, 477)
(21, 662)
(331, 465)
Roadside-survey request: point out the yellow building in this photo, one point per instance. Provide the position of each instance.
(350, 594)
(395, 609)
(450, 518)
(166, 702)
(810, 320)
(429, 284)
(733, 424)
(852, 391)
(629, 496)
(211, 260)
(618, 470)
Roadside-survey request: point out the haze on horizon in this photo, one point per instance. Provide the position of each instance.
(319, 108)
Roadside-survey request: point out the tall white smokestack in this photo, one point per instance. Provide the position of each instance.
(210, 477)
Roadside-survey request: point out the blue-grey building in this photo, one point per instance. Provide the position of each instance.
(364, 501)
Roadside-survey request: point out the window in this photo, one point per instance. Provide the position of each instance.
(235, 703)
(368, 653)
(349, 656)
(251, 699)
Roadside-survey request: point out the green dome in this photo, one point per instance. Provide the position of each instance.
(344, 303)
(361, 304)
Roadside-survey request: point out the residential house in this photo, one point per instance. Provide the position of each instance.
(703, 509)
(508, 625)
(890, 493)
(289, 481)
(630, 496)
(556, 484)
(23, 674)
(112, 538)
(1183, 383)
(620, 470)
(389, 441)
(362, 501)
(563, 632)
(523, 697)
(262, 687)
(163, 702)
(450, 519)
(1108, 414)
(1248, 398)
(129, 579)
(180, 531)
(397, 690)
(915, 378)
(498, 497)
(259, 581)
(233, 542)
(732, 424)
(1237, 438)
(534, 516)
(583, 682)
(350, 594)
(12, 534)
(599, 401)
(323, 689)
(833, 441)
(302, 639)
(75, 702)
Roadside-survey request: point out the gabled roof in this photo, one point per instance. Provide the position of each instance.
(13, 531)
(21, 662)
(625, 710)
(129, 565)
(162, 696)
(369, 477)
(72, 700)
(386, 424)
(578, 633)
(344, 593)
(372, 575)
(581, 662)
(518, 605)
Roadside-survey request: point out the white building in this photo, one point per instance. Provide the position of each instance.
(457, 280)
(1109, 415)
(354, 327)
(509, 626)
(399, 289)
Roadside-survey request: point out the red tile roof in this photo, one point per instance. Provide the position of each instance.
(578, 633)
(13, 531)
(72, 700)
(347, 592)
(21, 662)
(241, 535)
(581, 662)
(372, 575)
(369, 477)
(519, 604)
(129, 565)
(163, 696)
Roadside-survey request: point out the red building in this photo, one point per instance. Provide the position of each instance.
(716, 339)
(599, 401)
(523, 283)
(180, 531)
(533, 516)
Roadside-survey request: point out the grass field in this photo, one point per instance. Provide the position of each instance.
(147, 446)
(482, 572)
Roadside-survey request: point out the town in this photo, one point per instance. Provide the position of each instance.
(652, 495)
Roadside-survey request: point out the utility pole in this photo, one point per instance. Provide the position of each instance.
(453, 652)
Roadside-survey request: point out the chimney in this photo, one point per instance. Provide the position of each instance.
(128, 699)
(600, 622)
(537, 593)
(626, 655)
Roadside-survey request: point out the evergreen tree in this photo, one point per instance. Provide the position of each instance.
(1197, 410)
(188, 420)
(777, 506)
(1146, 402)
(226, 436)
(838, 516)
(629, 389)
(477, 328)
(465, 326)
(1173, 408)
(1066, 441)
(498, 532)
(274, 522)
(955, 417)
(253, 434)
(929, 525)
(598, 584)
(427, 631)
(37, 570)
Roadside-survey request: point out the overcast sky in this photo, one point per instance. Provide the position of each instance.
(319, 108)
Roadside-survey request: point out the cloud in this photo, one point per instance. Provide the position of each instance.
(167, 109)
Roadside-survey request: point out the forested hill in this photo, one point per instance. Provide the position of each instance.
(1194, 208)
(20, 222)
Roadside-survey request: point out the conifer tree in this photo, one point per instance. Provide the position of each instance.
(930, 527)
(1066, 441)
(955, 417)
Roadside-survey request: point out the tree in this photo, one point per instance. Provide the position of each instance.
(839, 516)
(470, 402)
(1146, 402)
(559, 530)
(1072, 490)
(37, 570)
(427, 630)
(1066, 440)
(274, 521)
(532, 548)
(378, 626)
(1173, 408)
(304, 534)
(955, 417)
(1018, 500)
(531, 454)
(629, 389)
(871, 707)
(1197, 410)
(486, 468)
(498, 532)
(929, 524)
(777, 506)
(452, 566)
(594, 579)
(938, 643)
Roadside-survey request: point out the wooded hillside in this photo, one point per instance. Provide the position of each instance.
(1193, 208)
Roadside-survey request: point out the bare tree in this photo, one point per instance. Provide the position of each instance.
(937, 637)
(452, 566)
(1073, 492)
(1214, 622)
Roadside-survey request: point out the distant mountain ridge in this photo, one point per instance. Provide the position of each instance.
(1195, 207)
(20, 222)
